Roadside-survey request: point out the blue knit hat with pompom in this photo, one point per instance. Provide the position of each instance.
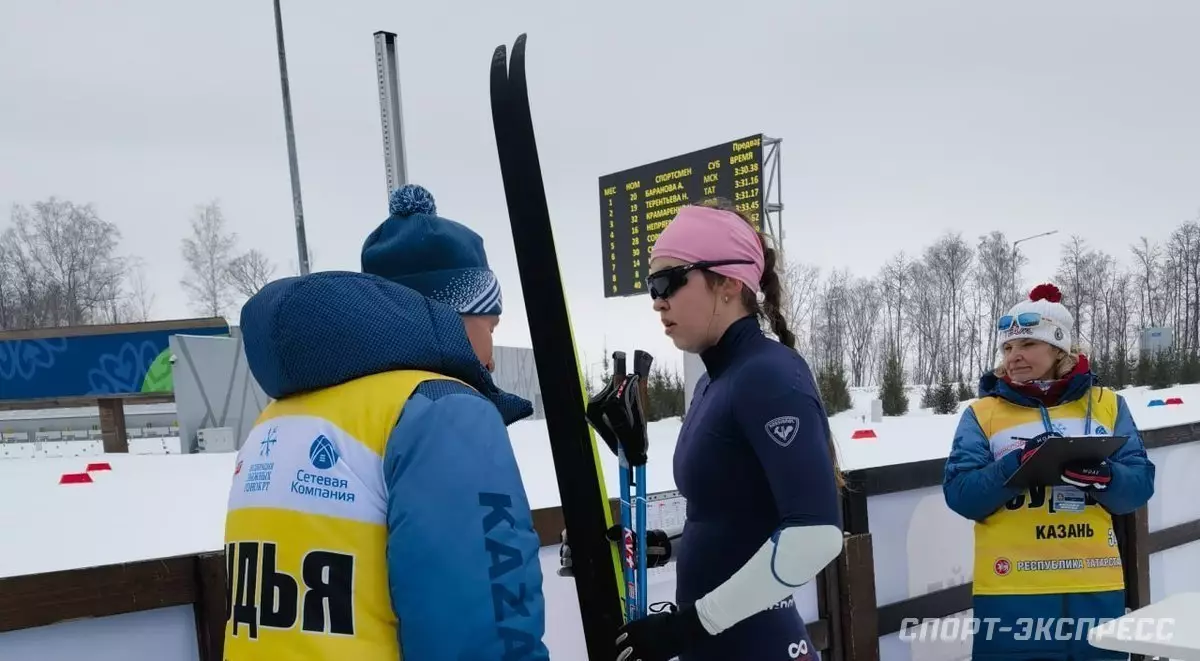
(438, 257)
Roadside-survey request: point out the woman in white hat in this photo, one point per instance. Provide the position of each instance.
(1046, 558)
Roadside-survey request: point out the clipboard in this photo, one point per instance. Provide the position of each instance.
(1044, 468)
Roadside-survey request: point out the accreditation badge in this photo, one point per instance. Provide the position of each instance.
(1067, 499)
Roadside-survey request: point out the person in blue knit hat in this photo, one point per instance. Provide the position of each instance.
(440, 258)
(377, 511)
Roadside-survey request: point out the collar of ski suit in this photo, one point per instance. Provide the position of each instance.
(737, 339)
(311, 332)
(1069, 388)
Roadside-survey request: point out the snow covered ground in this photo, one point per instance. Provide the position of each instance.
(151, 506)
(917, 436)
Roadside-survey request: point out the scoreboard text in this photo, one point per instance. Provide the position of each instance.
(637, 204)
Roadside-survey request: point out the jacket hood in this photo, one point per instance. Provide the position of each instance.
(315, 331)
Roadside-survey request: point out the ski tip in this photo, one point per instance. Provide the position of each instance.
(501, 56)
(518, 50)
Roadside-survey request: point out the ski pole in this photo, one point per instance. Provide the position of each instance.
(641, 366)
(627, 565)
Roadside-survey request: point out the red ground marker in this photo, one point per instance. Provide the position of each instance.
(863, 433)
(75, 478)
(1175, 400)
(102, 466)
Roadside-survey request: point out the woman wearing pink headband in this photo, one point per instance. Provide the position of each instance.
(755, 458)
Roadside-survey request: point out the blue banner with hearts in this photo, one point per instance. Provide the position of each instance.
(104, 364)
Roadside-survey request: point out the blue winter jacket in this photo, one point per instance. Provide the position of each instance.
(450, 444)
(973, 485)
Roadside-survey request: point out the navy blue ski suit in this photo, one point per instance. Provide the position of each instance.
(742, 483)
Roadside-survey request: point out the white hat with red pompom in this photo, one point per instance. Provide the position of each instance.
(1043, 317)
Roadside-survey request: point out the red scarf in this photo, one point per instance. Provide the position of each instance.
(1049, 392)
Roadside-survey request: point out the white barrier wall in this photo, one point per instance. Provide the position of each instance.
(1175, 501)
(921, 546)
(164, 634)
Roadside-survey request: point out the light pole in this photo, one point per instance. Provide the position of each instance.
(1014, 253)
(297, 205)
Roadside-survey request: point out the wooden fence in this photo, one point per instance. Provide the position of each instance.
(849, 625)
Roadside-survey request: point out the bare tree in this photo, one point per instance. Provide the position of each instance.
(140, 302)
(949, 263)
(1123, 289)
(863, 303)
(979, 337)
(1148, 256)
(250, 272)
(895, 281)
(829, 321)
(1183, 249)
(994, 278)
(207, 254)
(60, 265)
(1102, 274)
(1074, 267)
(801, 282)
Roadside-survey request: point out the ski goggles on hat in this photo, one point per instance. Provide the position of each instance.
(664, 283)
(1023, 320)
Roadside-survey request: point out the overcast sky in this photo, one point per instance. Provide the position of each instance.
(899, 120)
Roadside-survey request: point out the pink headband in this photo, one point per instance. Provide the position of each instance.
(705, 234)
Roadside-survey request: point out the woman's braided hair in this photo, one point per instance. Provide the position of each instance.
(771, 308)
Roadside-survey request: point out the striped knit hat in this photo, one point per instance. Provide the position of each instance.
(440, 258)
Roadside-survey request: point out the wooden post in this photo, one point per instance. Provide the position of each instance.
(112, 424)
(212, 602)
(856, 603)
(1133, 540)
(1139, 557)
(828, 609)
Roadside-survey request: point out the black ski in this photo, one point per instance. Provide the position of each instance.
(586, 511)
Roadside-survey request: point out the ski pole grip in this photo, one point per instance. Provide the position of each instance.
(641, 366)
(641, 363)
(619, 365)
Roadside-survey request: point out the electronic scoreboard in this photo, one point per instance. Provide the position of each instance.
(637, 204)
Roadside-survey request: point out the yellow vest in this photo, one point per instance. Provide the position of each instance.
(1048, 540)
(306, 530)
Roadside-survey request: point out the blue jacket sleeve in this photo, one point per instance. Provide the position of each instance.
(786, 426)
(463, 567)
(973, 483)
(1132, 471)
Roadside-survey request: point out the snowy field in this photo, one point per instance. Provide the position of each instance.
(150, 506)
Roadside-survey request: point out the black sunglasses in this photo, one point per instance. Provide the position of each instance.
(664, 283)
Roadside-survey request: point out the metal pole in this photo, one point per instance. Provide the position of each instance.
(779, 189)
(297, 205)
(391, 111)
(1014, 254)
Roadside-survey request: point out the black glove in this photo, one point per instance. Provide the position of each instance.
(1087, 475)
(660, 636)
(1031, 446)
